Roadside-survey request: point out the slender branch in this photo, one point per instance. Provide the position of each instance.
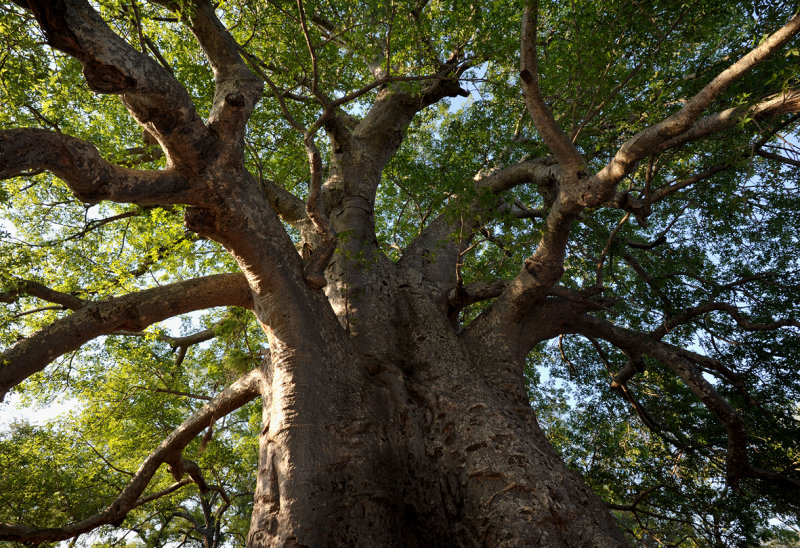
(35, 310)
(741, 320)
(557, 141)
(174, 342)
(607, 248)
(311, 51)
(129, 312)
(164, 492)
(778, 157)
(247, 388)
(99, 223)
(315, 265)
(619, 386)
(35, 289)
(675, 186)
(175, 393)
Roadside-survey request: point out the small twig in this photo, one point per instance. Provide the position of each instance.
(312, 53)
(599, 274)
(35, 310)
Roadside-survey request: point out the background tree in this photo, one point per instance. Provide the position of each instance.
(409, 229)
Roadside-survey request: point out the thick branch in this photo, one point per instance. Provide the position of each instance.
(89, 176)
(438, 234)
(110, 65)
(236, 395)
(545, 266)
(290, 208)
(462, 296)
(237, 88)
(781, 103)
(393, 111)
(130, 312)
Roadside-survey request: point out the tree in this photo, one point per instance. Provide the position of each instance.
(414, 228)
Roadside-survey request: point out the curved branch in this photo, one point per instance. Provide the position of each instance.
(737, 462)
(130, 312)
(781, 103)
(683, 126)
(555, 138)
(741, 320)
(247, 388)
(164, 492)
(545, 173)
(154, 97)
(89, 176)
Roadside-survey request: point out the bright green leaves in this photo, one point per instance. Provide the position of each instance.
(57, 476)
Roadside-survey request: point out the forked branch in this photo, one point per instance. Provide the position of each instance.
(154, 97)
(681, 127)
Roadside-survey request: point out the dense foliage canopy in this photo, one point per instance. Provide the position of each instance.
(698, 247)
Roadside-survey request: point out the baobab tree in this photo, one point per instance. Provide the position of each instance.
(460, 252)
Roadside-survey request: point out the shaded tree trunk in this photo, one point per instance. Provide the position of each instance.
(435, 444)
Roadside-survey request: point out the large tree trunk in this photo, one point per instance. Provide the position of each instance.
(429, 441)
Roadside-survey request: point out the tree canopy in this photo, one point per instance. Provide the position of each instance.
(639, 156)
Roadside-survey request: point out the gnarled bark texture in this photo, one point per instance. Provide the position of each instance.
(434, 444)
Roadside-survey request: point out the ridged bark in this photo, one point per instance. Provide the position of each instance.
(435, 444)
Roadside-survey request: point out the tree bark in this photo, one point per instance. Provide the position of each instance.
(434, 444)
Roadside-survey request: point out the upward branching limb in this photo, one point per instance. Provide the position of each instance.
(237, 88)
(557, 141)
(684, 126)
(315, 264)
(154, 97)
(131, 312)
(247, 388)
(543, 173)
(544, 267)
